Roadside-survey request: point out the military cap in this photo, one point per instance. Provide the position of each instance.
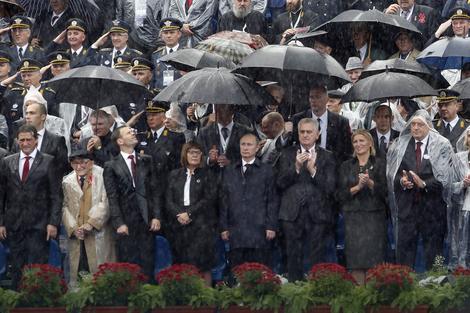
(141, 64)
(29, 65)
(336, 94)
(459, 13)
(122, 61)
(170, 23)
(20, 21)
(156, 107)
(58, 57)
(4, 57)
(447, 95)
(76, 24)
(120, 26)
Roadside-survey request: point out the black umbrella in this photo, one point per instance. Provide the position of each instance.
(193, 59)
(12, 6)
(463, 87)
(97, 86)
(215, 85)
(388, 85)
(447, 53)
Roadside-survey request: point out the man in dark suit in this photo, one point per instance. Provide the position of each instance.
(419, 190)
(221, 141)
(134, 201)
(51, 22)
(449, 125)
(249, 206)
(335, 133)
(21, 49)
(306, 180)
(382, 133)
(30, 202)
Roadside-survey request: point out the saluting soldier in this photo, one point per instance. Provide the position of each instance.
(21, 49)
(59, 61)
(119, 33)
(170, 33)
(449, 125)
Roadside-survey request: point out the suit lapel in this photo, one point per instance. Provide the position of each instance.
(16, 167)
(36, 162)
(45, 142)
(122, 165)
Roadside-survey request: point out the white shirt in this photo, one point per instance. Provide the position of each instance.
(408, 15)
(25, 47)
(129, 163)
(311, 151)
(23, 159)
(114, 54)
(423, 146)
(452, 123)
(158, 131)
(175, 48)
(187, 189)
(40, 138)
(78, 51)
(222, 140)
(244, 163)
(323, 127)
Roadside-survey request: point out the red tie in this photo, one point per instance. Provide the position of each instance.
(188, 4)
(133, 165)
(418, 155)
(24, 176)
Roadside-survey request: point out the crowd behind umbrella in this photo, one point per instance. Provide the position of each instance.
(243, 130)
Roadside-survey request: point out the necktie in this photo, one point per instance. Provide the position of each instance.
(446, 132)
(188, 4)
(25, 173)
(82, 181)
(133, 165)
(118, 53)
(404, 14)
(418, 155)
(225, 132)
(155, 136)
(171, 50)
(246, 167)
(54, 20)
(74, 55)
(20, 52)
(319, 131)
(383, 145)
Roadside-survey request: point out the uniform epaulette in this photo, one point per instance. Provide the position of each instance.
(49, 89)
(136, 51)
(106, 49)
(159, 49)
(18, 89)
(437, 122)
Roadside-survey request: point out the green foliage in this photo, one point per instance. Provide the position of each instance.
(295, 297)
(8, 299)
(149, 297)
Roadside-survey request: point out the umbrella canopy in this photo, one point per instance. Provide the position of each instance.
(12, 6)
(388, 85)
(97, 86)
(463, 87)
(193, 59)
(283, 63)
(215, 85)
(230, 49)
(447, 53)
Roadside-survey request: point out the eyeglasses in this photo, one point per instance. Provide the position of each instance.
(194, 152)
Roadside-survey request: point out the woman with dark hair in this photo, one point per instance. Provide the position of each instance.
(361, 192)
(191, 212)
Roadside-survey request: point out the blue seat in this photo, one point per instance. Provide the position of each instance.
(163, 257)
(221, 249)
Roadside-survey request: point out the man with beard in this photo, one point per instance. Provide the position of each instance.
(243, 18)
(296, 17)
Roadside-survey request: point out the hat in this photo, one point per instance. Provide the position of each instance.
(410, 35)
(170, 23)
(459, 13)
(120, 27)
(76, 24)
(20, 21)
(141, 64)
(447, 95)
(156, 107)
(29, 65)
(354, 63)
(122, 61)
(336, 94)
(80, 153)
(58, 57)
(4, 57)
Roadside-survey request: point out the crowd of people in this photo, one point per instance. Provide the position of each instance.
(278, 177)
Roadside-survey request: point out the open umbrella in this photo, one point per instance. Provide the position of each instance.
(388, 85)
(463, 87)
(12, 6)
(215, 85)
(193, 59)
(230, 49)
(447, 53)
(97, 87)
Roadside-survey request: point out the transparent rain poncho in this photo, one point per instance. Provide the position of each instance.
(440, 153)
(460, 206)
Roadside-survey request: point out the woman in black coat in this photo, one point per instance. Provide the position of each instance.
(361, 192)
(190, 208)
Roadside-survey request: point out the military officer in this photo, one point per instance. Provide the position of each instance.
(21, 49)
(119, 33)
(123, 63)
(59, 61)
(170, 33)
(449, 124)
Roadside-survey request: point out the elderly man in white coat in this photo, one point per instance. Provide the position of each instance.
(85, 216)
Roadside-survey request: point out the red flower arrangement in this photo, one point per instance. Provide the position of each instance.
(390, 280)
(42, 285)
(321, 270)
(113, 283)
(461, 272)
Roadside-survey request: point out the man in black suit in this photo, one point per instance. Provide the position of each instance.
(221, 141)
(51, 22)
(134, 201)
(420, 182)
(21, 49)
(335, 133)
(30, 202)
(382, 133)
(307, 181)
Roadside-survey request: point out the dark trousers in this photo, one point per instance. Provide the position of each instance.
(304, 233)
(26, 247)
(241, 255)
(138, 247)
